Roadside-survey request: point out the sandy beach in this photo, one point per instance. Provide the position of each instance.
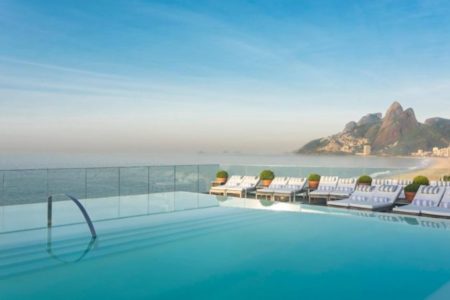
(438, 168)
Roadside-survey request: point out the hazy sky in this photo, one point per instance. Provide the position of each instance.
(251, 76)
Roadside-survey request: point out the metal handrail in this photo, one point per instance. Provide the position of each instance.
(80, 206)
(89, 247)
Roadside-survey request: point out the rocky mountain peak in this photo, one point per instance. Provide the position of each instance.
(396, 123)
(394, 110)
(369, 119)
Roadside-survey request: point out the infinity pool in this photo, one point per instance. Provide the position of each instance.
(194, 246)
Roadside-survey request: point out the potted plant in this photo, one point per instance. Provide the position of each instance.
(421, 180)
(313, 181)
(365, 180)
(446, 178)
(266, 177)
(410, 191)
(221, 176)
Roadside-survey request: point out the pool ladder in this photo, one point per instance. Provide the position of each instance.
(80, 206)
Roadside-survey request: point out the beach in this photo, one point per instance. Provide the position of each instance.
(438, 167)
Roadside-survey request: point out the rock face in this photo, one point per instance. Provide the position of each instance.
(396, 123)
(398, 133)
(370, 119)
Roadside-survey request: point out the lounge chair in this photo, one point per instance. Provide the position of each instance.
(345, 187)
(247, 185)
(440, 183)
(426, 197)
(327, 184)
(277, 183)
(362, 192)
(443, 209)
(295, 186)
(376, 182)
(233, 182)
(382, 198)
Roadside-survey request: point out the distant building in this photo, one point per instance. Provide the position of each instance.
(439, 152)
(444, 152)
(367, 149)
(435, 151)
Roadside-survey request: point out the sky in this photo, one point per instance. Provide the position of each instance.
(212, 76)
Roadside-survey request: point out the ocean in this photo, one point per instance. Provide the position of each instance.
(58, 160)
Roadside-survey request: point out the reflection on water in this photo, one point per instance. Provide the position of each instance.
(90, 245)
(407, 220)
(30, 216)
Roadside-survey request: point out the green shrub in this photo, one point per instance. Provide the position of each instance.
(267, 175)
(421, 180)
(446, 178)
(412, 188)
(365, 179)
(314, 177)
(222, 174)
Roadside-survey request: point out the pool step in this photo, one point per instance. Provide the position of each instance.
(80, 241)
(113, 245)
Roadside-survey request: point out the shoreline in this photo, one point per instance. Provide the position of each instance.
(435, 170)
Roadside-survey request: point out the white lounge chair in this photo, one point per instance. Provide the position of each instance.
(345, 187)
(247, 185)
(376, 182)
(426, 197)
(440, 183)
(233, 182)
(277, 183)
(295, 185)
(327, 184)
(362, 192)
(382, 198)
(443, 209)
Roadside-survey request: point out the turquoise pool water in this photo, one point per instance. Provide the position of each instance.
(193, 246)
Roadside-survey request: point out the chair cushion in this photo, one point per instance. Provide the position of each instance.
(380, 199)
(359, 198)
(445, 205)
(364, 188)
(429, 190)
(423, 202)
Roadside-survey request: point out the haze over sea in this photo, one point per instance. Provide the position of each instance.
(41, 160)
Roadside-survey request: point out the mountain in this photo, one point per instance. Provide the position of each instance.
(397, 133)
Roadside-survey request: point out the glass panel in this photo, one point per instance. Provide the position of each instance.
(102, 182)
(186, 178)
(2, 188)
(162, 179)
(134, 181)
(207, 174)
(133, 205)
(103, 208)
(24, 186)
(67, 181)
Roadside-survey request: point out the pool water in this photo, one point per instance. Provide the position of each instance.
(187, 245)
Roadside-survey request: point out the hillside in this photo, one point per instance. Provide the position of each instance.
(397, 133)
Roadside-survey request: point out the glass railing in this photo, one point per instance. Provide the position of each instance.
(33, 186)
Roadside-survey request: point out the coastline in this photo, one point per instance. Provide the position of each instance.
(435, 170)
